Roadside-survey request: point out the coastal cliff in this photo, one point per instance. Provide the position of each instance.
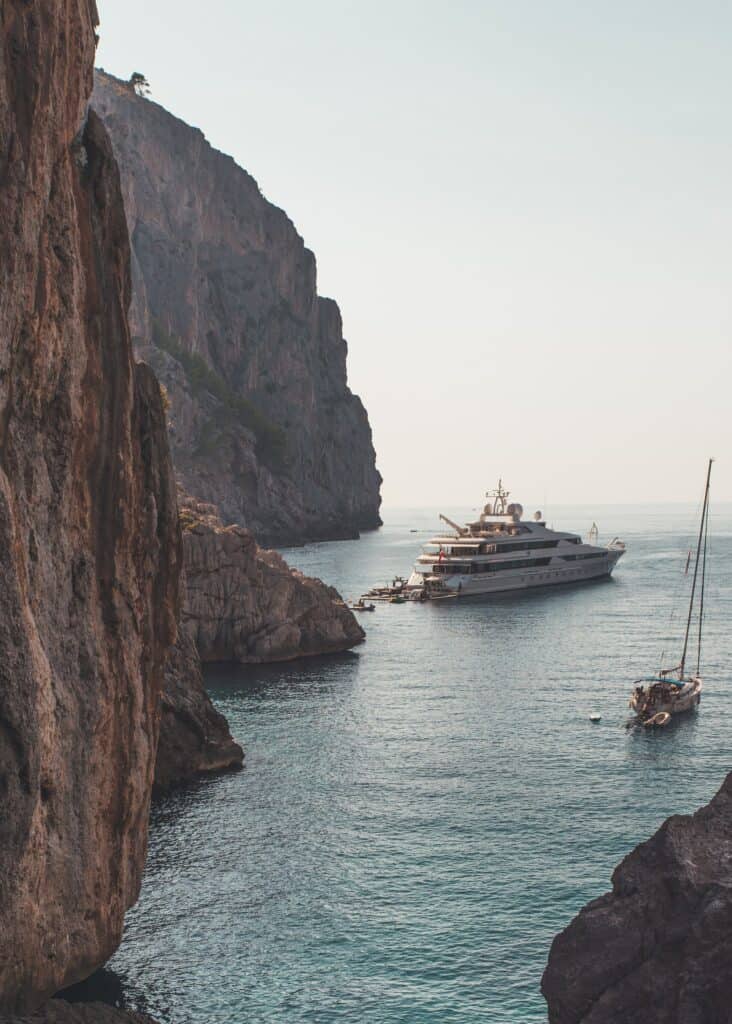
(657, 949)
(89, 541)
(244, 604)
(225, 308)
(194, 737)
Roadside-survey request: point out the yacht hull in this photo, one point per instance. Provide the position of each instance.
(685, 700)
(524, 579)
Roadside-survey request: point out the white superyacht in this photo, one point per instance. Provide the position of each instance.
(501, 552)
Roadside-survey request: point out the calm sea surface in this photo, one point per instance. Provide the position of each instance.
(417, 819)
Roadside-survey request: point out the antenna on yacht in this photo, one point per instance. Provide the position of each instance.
(499, 504)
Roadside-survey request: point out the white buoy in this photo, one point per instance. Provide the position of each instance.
(595, 716)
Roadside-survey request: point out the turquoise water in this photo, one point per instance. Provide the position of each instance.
(417, 819)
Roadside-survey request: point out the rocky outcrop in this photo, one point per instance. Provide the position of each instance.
(194, 737)
(58, 1011)
(245, 604)
(88, 534)
(658, 948)
(225, 308)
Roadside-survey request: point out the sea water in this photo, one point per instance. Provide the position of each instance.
(417, 819)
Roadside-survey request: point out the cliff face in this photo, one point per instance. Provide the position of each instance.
(226, 310)
(244, 604)
(658, 948)
(194, 736)
(89, 545)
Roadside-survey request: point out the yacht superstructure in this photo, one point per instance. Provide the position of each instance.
(501, 551)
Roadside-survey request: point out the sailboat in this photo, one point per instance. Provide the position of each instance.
(675, 690)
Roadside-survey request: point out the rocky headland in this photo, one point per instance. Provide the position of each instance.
(657, 949)
(89, 540)
(242, 603)
(194, 737)
(225, 309)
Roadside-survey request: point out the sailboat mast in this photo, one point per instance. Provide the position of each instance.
(696, 568)
(701, 594)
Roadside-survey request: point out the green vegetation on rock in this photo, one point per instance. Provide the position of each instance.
(232, 408)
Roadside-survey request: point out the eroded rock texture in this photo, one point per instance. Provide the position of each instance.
(658, 948)
(225, 309)
(242, 603)
(88, 533)
(194, 737)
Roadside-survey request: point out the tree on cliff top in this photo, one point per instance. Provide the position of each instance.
(139, 83)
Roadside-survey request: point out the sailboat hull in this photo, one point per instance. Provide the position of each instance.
(649, 700)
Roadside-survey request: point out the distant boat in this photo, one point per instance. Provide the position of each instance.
(501, 551)
(673, 690)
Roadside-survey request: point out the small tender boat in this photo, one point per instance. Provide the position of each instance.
(673, 690)
(361, 606)
(595, 716)
(661, 718)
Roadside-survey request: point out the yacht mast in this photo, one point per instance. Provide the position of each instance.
(696, 569)
(701, 597)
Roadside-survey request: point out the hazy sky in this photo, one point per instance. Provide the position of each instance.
(523, 210)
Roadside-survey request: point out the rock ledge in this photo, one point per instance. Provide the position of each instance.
(244, 604)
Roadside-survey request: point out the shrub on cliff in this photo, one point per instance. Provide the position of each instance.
(270, 438)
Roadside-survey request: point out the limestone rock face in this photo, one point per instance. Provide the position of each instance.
(245, 604)
(89, 543)
(194, 737)
(225, 309)
(658, 948)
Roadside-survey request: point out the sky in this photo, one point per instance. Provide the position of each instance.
(523, 210)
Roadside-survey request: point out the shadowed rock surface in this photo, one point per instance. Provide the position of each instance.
(89, 543)
(57, 1011)
(658, 948)
(194, 737)
(225, 308)
(245, 604)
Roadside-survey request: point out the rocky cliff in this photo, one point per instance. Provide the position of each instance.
(658, 948)
(194, 736)
(225, 308)
(88, 534)
(244, 604)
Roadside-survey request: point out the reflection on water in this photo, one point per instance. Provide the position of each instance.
(418, 818)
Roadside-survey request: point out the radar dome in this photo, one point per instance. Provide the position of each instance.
(488, 509)
(515, 510)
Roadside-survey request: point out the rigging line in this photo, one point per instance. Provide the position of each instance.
(696, 569)
(680, 579)
(701, 596)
